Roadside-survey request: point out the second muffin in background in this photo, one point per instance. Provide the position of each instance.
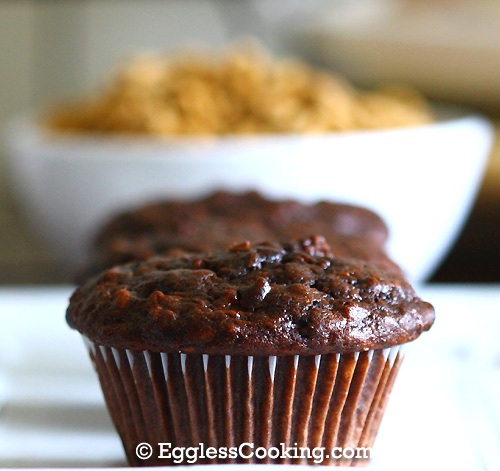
(222, 218)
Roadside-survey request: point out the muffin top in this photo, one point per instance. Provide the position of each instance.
(223, 218)
(250, 299)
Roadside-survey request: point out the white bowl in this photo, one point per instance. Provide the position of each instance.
(421, 180)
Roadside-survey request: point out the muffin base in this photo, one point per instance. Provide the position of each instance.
(322, 409)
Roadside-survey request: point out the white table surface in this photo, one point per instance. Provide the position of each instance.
(444, 412)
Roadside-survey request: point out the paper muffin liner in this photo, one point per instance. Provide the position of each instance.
(246, 409)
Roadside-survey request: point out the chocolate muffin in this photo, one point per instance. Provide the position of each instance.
(223, 218)
(250, 350)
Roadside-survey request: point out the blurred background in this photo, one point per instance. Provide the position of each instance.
(51, 50)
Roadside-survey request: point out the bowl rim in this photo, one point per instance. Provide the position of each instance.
(25, 131)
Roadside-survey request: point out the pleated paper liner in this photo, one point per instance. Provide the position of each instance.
(276, 409)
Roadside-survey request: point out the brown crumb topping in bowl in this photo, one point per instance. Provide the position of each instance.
(241, 91)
